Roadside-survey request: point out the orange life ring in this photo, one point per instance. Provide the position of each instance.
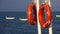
(31, 14)
(48, 15)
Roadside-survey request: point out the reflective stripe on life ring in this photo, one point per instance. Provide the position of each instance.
(48, 15)
(31, 14)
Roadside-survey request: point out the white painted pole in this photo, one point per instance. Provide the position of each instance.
(38, 25)
(50, 28)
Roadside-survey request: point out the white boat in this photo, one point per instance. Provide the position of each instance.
(57, 16)
(9, 18)
(23, 19)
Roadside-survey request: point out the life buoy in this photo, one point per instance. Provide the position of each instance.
(31, 14)
(48, 15)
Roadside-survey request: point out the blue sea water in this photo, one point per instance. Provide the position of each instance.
(23, 27)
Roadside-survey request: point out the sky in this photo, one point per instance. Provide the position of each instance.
(21, 5)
